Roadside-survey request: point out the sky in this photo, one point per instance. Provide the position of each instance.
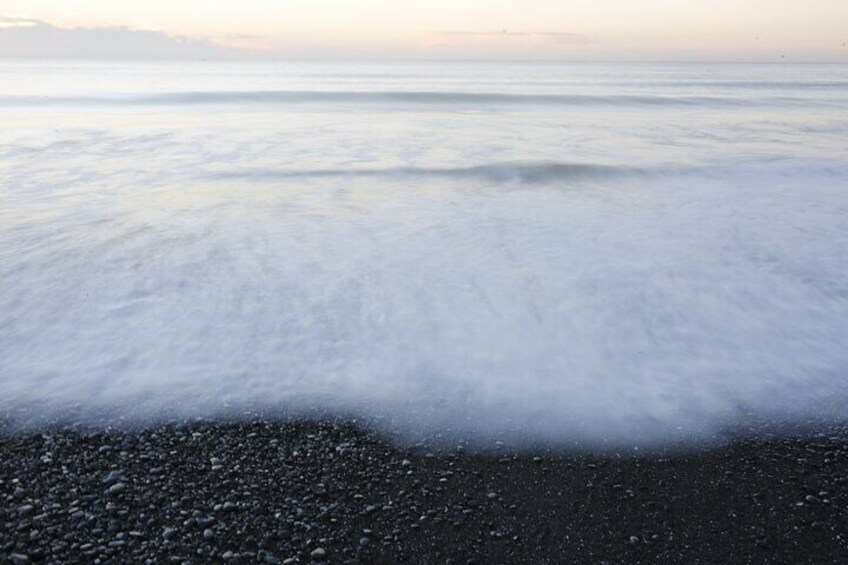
(719, 30)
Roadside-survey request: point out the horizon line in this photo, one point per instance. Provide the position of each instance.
(282, 59)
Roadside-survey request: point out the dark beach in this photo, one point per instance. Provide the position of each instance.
(298, 492)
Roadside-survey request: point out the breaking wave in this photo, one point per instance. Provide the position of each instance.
(506, 172)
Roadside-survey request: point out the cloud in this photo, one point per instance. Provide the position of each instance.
(12, 22)
(557, 36)
(29, 38)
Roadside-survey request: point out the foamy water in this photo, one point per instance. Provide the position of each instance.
(549, 253)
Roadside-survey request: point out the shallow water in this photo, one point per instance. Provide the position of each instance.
(550, 252)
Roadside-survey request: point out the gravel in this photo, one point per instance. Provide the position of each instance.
(331, 492)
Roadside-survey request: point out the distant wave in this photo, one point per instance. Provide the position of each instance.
(404, 98)
(757, 84)
(520, 171)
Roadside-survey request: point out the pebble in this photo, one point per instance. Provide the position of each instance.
(293, 506)
(117, 488)
(111, 477)
(26, 509)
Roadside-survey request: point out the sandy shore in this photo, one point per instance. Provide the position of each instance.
(297, 492)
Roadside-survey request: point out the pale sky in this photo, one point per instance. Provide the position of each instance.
(755, 30)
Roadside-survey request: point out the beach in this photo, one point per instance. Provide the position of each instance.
(423, 312)
(270, 491)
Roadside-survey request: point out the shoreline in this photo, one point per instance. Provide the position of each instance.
(271, 491)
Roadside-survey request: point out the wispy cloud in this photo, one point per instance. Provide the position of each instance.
(15, 22)
(557, 36)
(30, 38)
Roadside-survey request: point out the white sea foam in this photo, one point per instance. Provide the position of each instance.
(543, 276)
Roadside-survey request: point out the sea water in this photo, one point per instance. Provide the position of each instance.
(556, 253)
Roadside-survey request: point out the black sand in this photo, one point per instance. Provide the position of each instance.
(275, 492)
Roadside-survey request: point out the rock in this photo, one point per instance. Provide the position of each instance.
(19, 558)
(208, 534)
(318, 554)
(112, 477)
(169, 533)
(26, 509)
(117, 488)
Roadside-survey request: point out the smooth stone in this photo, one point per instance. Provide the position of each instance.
(116, 488)
(111, 477)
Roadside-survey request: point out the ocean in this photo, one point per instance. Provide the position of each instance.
(555, 253)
